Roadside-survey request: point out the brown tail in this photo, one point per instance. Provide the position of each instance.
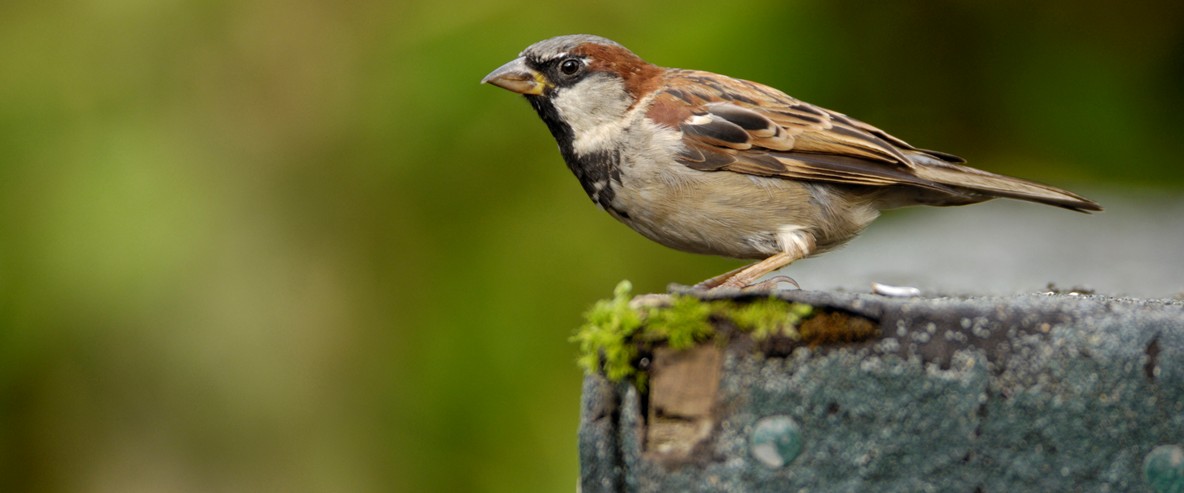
(982, 182)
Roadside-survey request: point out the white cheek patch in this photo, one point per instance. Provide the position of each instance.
(596, 109)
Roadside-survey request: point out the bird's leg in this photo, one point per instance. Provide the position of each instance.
(750, 274)
(797, 247)
(716, 281)
(745, 276)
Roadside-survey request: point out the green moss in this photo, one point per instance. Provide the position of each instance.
(614, 332)
(682, 324)
(769, 317)
(608, 327)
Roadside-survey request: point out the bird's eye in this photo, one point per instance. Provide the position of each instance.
(571, 66)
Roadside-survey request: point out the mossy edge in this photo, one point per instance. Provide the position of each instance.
(615, 330)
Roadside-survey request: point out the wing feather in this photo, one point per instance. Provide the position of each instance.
(743, 127)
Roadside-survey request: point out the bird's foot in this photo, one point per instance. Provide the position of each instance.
(771, 285)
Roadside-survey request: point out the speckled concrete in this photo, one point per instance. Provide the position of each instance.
(993, 394)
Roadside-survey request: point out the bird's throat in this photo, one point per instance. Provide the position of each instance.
(599, 172)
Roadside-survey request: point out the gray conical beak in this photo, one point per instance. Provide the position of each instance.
(517, 77)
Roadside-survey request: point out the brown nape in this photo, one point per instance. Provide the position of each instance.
(640, 76)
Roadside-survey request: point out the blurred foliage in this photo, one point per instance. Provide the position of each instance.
(294, 246)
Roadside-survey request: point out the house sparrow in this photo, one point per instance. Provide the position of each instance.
(705, 163)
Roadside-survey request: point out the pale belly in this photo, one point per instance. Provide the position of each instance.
(734, 215)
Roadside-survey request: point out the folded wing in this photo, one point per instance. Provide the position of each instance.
(743, 127)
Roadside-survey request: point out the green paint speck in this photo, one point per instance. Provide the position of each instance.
(1164, 469)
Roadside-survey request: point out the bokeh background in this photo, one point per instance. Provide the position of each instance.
(271, 245)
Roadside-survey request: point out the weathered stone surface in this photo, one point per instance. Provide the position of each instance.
(1019, 393)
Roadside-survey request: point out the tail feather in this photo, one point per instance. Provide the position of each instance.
(991, 184)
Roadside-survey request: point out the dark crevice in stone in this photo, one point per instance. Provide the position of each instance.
(1152, 352)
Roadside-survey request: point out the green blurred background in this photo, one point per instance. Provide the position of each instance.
(295, 246)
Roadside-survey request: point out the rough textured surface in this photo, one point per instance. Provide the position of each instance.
(1020, 393)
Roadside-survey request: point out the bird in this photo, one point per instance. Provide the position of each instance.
(710, 164)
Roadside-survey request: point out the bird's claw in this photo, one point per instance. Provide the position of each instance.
(770, 285)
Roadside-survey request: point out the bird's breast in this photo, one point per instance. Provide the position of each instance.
(637, 181)
(717, 213)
